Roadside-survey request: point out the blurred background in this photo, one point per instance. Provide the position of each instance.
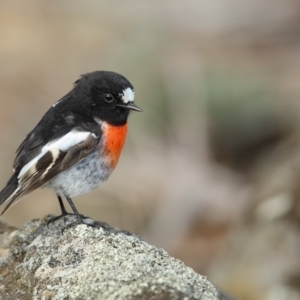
(211, 168)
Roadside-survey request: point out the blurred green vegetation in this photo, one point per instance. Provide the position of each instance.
(244, 116)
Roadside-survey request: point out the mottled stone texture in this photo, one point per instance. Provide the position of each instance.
(50, 261)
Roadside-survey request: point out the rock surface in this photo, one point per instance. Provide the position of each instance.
(50, 261)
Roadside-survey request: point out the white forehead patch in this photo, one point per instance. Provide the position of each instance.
(128, 95)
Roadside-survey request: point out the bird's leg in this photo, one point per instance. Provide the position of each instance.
(78, 216)
(65, 213)
(62, 206)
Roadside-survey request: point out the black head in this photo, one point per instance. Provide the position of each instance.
(109, 96)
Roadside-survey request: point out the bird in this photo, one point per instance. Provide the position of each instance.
(77, 143)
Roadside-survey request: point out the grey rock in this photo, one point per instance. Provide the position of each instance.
(45, 260)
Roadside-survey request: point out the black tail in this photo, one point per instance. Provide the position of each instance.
(7, 193)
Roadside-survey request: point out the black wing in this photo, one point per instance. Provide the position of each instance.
(37, 163)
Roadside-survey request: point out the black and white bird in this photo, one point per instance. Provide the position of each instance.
(77, 143)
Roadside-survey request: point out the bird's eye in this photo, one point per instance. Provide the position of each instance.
(109, 97)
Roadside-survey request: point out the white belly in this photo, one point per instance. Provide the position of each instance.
(81, 178)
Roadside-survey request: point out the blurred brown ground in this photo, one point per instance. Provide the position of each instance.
(211, 167)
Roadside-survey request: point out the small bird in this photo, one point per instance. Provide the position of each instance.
(77, 143)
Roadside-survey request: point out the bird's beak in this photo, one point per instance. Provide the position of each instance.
(130, 106)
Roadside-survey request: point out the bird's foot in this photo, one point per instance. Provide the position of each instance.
(80, 219)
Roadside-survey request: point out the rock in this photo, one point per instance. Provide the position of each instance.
(45, 260)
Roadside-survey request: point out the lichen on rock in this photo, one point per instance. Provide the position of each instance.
(45, 260)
